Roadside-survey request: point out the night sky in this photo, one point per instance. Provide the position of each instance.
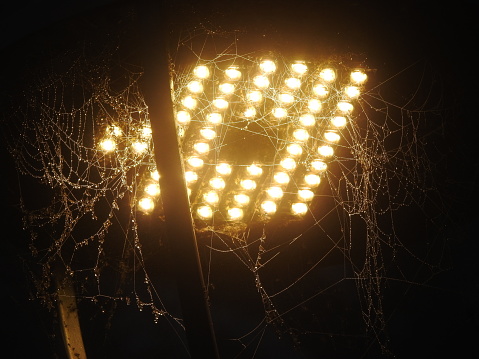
(437, 318)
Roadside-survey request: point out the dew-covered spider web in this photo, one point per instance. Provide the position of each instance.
(298, 190)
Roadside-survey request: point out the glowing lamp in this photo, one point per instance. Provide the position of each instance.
(204, 212)
(268, 207)
(299, 208)
(201, 72)
(108, 145)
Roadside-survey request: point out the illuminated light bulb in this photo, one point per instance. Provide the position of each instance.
(314, 105)
(155, 175)
(288, 164)
(115, 130)
(146, 204)
(220, 103)
(319, 165)
(254, 170)
(235, 214)
(201, 71)
(254, 96)
(293, 83)
(189, 102)
(201, 147)
(301, 134)
(327, 75)
(294, 149)
(195, 86)
(358, 77)
(211, 197)
(183, 117)
(325, 151)
(307, 120)
(214, 118)
(299, 208)
(268, 207)
(248, 184)
(108, 145)
(153, 189)
(227, 88)
(233, 73)
(320, 90)
(217, 183)
(195, 162)
(267, 66)
(139, 146)
(146, 132)
(279, 112)
(191, 177)
(312, 180)
(299, 68)
(204, 212)
(261, 82)
(305, 194)
(332, 136)
(352, 91)
(275, 192)
(223, 169)
(250, 112)
(338, 121)
(207, 133)
(241, 199)
(286, 98)
(345, 107)
(281, 177)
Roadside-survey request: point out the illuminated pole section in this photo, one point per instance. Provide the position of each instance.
(179, 222)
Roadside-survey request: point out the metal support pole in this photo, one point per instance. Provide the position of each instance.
(179, 222)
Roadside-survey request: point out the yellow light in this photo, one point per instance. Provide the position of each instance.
(146, 132)
(115, 130)
(280, 112)
(319, 165)
(202, 72)
(254, 170)
(183, 117)
(261, 82)
(204, 212)
(223, 169)
(307, 120)
(312, 180)
(275, 192)
(146, 204)
(250, 112)
(220, 103)
(195, 162)
(327, 75)
(139, 146)
(181, 131)
(267, 66)
(189, 102)
(217, 183)
(235, 214)
(268, 207)
(281, 177)
(286, 98)
(191, 177)
(211, 197)
(254, 96)
(325, 151)
(233, 73)
(242, 199)
(248, 184)
(227, 88)
(299, 208)
(299, 68)
(207, 133)
(153, 189)
(293, 83)
(294, 149)
(352, 92)
(301, 134)
(320, 90)
(214, 118)
(195, 86)
(288, 164)
(358, 77)
(108, 145)
(155, 175)
(332, 136)
(305, 194)
(345, 107)
(338, 121)
(201, 147)
(314, 105)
